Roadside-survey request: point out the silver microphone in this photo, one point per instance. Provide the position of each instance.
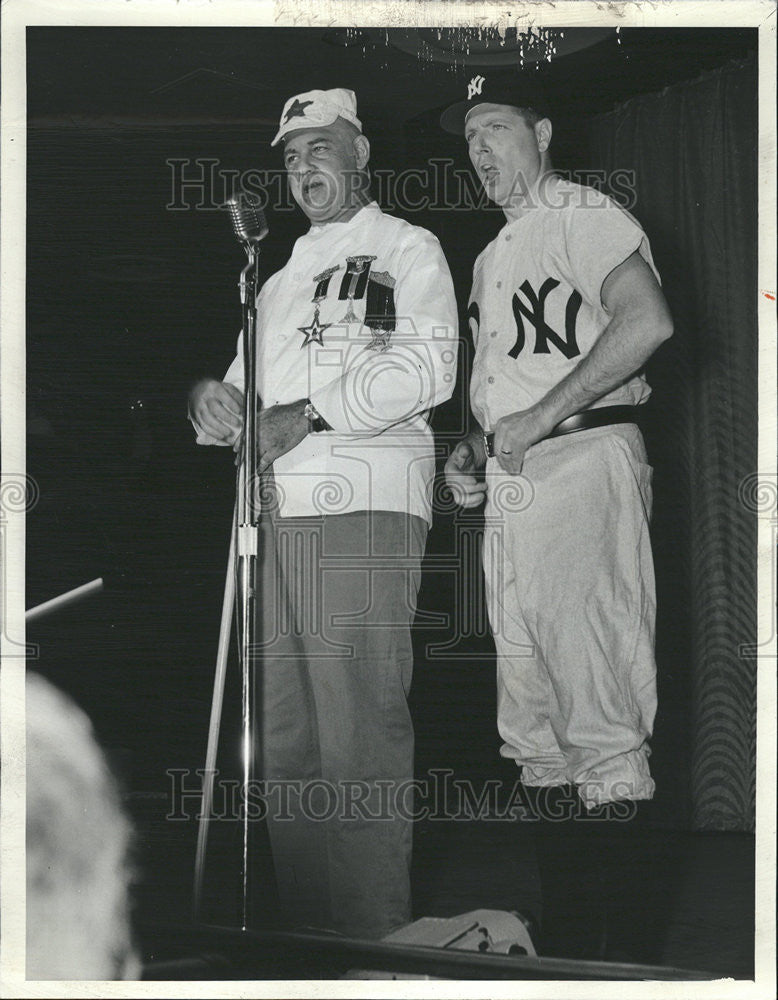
(248, 219)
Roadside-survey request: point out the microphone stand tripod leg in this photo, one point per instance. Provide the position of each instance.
(228, 605)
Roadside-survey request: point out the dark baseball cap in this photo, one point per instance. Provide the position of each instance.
(518, 92)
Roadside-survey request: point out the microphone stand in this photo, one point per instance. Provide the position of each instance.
(243, 559)
(247, 513)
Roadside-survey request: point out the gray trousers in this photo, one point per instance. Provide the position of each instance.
(338, 596)
(570, 589)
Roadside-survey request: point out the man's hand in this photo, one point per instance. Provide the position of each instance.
(280, 428)
(515, 433)
(218, 409)
(468, 456)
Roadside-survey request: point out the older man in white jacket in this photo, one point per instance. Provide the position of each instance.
(356, 344)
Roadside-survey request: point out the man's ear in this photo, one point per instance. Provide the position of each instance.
(361, 151)
(543, 134)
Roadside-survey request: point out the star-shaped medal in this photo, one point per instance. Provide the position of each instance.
(313, 331)
(297, 110)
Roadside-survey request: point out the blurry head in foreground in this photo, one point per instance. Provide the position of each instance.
(78, 919)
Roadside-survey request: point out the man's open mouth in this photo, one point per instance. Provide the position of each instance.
(316, 186)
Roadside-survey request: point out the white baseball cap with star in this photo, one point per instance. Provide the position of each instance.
(316, 108)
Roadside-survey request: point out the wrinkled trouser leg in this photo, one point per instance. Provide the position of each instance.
(337, 669)
(570, 589)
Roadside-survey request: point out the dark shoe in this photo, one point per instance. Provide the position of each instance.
(573, 916)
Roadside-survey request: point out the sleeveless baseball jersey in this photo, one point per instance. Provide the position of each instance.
(535, 309)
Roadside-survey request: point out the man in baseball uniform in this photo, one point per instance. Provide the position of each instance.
(565, 310)
(356, 344)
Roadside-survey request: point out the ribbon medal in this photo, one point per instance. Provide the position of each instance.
(313, 332)
(380, 317)
(354, 282)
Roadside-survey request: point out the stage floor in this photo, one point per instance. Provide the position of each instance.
(706, 913)
(140, 661)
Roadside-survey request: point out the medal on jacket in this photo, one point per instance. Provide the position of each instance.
(354, 282)
(315, 329)
(380, 315)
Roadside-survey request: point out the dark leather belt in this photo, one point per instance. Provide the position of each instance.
(583, 421)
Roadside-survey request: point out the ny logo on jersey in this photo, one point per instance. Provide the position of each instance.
(535, 313)
(475, 87)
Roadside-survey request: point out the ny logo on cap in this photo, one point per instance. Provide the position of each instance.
(475, 87)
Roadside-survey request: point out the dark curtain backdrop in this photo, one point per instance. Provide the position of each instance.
(693, 150)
